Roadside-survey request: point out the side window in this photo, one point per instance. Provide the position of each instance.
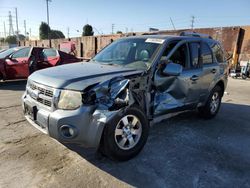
(206, 54)
(194, 49)
(21, 53)
(218, 53)
(49, 53)
(180, 56)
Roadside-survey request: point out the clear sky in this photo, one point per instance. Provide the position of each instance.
(128, 15)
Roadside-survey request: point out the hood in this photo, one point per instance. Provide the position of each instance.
(78, 76)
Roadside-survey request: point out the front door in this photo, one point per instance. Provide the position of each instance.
(17, 65)
(175, 93)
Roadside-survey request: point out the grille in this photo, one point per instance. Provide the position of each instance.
(44, 94)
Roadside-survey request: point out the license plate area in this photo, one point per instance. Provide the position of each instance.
(31, 111)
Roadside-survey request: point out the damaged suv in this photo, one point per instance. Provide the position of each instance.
(110, 102)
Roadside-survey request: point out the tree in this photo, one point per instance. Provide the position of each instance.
(119, 32)
(44, 31)
(87, 30)
(21, 37)
(11, 39)
(2, 39)
(56, 34)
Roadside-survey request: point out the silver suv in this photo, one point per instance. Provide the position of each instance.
(110, 102)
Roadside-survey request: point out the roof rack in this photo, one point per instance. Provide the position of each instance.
(194, 34)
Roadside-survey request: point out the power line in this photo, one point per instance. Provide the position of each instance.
(172, 23)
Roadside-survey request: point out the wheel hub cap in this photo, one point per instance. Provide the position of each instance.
(128, 132)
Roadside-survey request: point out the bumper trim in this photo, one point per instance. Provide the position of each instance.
(45, 131)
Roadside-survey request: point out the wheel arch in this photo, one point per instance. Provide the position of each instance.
(221, 85)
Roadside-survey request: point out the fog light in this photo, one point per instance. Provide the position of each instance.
(68, 131)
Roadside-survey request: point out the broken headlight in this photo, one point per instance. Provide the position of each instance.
(69, 100)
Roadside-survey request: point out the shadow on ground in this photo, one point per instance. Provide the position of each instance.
(16, 85)
(187, 151)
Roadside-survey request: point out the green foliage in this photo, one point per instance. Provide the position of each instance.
(119, 32)
(11, 39)
(1, 39)
(87, 30)
(21, 37)
(44, 31)
(55, 34)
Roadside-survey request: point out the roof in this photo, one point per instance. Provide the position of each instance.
(157, 36)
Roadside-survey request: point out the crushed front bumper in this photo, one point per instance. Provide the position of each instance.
(86, 122)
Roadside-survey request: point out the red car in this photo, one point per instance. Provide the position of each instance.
(20, 62)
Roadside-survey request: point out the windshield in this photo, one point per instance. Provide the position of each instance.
(6, 53)
(134, 53)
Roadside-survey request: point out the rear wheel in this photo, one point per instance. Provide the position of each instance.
(244, 76)
(125, 136)
(213, 103)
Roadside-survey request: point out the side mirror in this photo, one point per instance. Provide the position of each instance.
(172, 69)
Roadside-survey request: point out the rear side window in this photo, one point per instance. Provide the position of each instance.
(206, 54)
(218, 53)
(194, 49)
(49, 53)
(21, 53)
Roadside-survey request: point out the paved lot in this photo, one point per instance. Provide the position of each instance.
(185, 151)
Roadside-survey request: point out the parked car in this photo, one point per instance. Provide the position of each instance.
(110, 102)
(20, 62)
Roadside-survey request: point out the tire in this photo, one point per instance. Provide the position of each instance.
(244, 76)
(212, 105)
(122, 141)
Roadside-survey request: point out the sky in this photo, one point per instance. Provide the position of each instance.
(126, 15)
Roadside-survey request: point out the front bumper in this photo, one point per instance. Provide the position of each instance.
(85, 121)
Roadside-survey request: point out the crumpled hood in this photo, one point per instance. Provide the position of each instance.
(78, 76)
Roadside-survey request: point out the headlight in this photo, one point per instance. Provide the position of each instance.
(69, 100)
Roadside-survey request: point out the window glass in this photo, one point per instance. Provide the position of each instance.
(206, 55)
(194, 48)
(49, 53)
(180, 56)
(136, 53)
(218, 52)
(21, 53)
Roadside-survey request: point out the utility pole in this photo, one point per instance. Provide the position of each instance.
(4, 29)
(172, 23)
(11, 30)
(30, 34)
(17, 31)
(192, 22)
(113, 27)
(68, 32)
(47, 3)
(25, 32)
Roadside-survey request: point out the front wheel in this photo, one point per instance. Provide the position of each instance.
(213, 103)
(125, 136)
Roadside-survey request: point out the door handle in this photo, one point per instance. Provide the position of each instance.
(213, 71)
(194, 78)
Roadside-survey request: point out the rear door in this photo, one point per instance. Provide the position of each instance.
(174, 93)
(51, 56)
(17, 65)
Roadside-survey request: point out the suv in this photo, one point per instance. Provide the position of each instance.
(110, 102)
